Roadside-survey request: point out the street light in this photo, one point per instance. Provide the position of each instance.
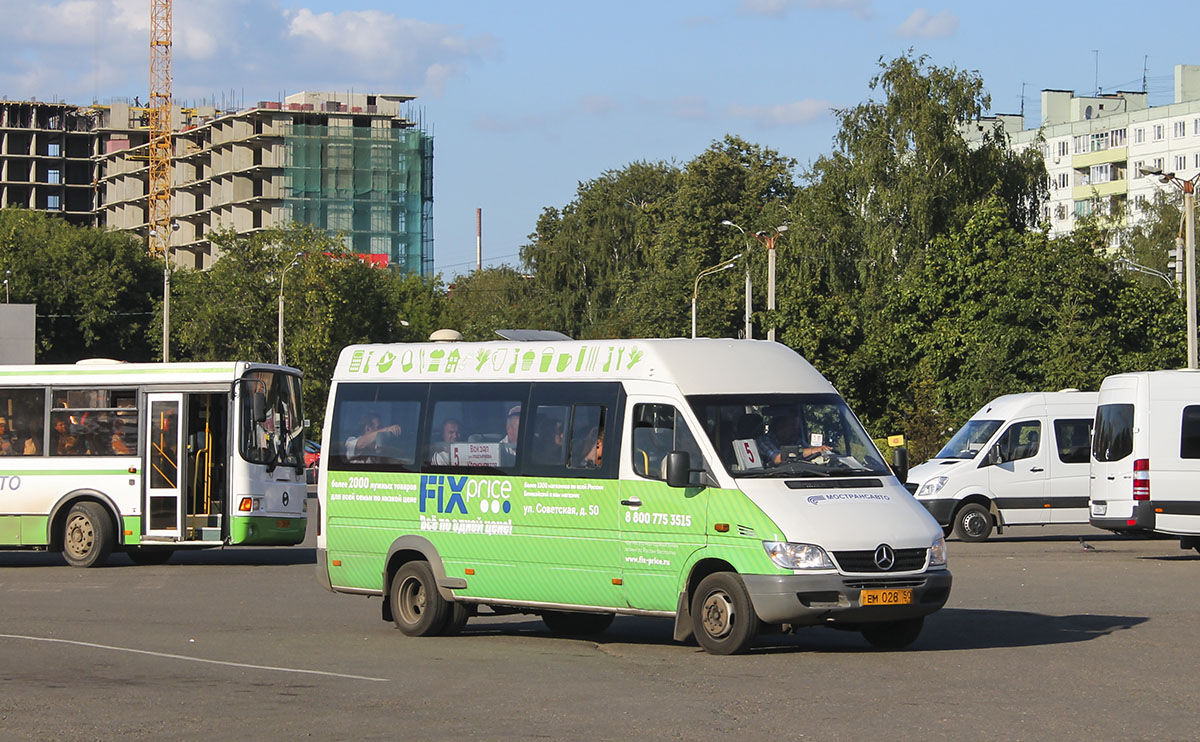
(279, 344)
(1188, 186)
(7, 275)
(768, 239)
(746, 239)
(722, 266)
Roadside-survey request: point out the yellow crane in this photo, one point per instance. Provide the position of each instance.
(159, 212)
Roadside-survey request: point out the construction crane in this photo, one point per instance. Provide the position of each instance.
(159, 212)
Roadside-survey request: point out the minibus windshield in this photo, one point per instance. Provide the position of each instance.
(787, 435)
(969, 439)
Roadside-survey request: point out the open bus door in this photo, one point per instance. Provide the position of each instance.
(164, 485)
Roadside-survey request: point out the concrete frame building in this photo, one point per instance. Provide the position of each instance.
(1094, 147)
(351, 164)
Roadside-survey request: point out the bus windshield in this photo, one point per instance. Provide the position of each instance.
(274, 433)
(969, 439)
(787, 435)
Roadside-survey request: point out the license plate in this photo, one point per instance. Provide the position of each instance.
(885, 597)
(1099, 508)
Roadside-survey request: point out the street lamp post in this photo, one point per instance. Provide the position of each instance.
(749, 303)
(768, 239)
(1188, 186)
(723, 265)
(279, 343)
(7, 275)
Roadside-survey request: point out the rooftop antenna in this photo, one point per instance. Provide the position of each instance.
(1145, 67)
(1022, 99)
(1096, 52)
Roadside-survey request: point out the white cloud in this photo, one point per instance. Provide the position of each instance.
(689, 107)
(783, 114)
(778, 8)
(925, 25)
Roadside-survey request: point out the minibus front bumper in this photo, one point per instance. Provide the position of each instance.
(806, 600)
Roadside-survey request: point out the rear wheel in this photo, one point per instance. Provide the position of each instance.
(576, 624)
(973, 522)
(893, 634)
(148, 556)
(417, 608)
(723, 618)
(87, 535)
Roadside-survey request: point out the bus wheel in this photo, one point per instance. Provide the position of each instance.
(893, 634)
(722, 617)
(576, 624)
(87, 535)
(417, 608)
(143, 555)
(973, 522)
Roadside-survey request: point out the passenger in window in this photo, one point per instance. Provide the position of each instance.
(8, 439)
(595, 452)
(450, 433)
(784, 431)
(508, 444)
(62, 441)
(120, 446)
(364, 447)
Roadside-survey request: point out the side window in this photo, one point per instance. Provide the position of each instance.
(1189, 434)
(1021, 441)
(573, 430)
(22, 422)
(1073, 439)
(93, 422)
(658, 429)
(477, 426)
(375, 426)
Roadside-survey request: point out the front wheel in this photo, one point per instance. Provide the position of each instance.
(88, 536)
(723, 618)
(893, 634)
(576, 624)
(973, 522)
(417, 608)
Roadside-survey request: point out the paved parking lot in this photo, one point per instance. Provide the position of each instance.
(1041, 638)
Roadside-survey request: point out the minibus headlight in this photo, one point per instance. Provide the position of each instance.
(931, 487)
(937, 552)
(797, 556)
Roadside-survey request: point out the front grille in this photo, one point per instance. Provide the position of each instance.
(894, 583)
(907, 560)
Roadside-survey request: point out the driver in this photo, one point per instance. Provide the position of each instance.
(784, 431)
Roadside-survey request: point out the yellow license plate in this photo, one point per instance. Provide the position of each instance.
(885, 597)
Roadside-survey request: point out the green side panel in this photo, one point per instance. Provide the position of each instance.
(34, 529)
(10, 530)
(132, 528)
(266, 531)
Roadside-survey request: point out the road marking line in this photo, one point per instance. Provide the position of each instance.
(192, 659)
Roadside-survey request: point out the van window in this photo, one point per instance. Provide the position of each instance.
(375, 427)
(1021, 441)
(491, 426)
(1113, 437)
(658, 429)
(969, 439)
(92, 422)
(1072, 437)
(1189, 435)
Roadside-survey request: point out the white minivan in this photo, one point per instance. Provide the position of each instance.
(1021, 460)
(1148, 430)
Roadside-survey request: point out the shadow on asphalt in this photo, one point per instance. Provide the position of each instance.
(951, 629)
(265, 556)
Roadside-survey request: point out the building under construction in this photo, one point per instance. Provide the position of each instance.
(351, 164)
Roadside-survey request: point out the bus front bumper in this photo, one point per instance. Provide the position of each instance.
(806, 600)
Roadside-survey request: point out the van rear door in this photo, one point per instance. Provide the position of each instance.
(1111, 483)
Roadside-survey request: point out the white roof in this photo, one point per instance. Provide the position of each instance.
(97, 371)
(1013, 405)
(702, 366)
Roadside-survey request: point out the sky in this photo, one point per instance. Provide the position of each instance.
(528, 99)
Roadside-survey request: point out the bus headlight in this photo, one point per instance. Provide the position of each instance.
(937, 553)
(797, 556)
(931, 487)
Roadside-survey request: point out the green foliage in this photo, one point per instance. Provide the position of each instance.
(94, 290)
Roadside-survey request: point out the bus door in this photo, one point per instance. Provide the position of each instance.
(164, 483)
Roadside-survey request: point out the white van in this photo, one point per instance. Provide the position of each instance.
(582, 480)
(1021, 460)
(1146, 454)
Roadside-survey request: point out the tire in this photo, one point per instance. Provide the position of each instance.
(723, 618)
(148, 556)
(88, 535)
(576, 624)
(417, 608)
(973, 522)
(893, 634)
(457, 617)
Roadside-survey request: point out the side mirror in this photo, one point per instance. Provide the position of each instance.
(258, 407)
(993, 456)
(900, 463)
(678, 466)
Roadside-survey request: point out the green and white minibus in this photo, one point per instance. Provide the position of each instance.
(147, 458)
(722, 483)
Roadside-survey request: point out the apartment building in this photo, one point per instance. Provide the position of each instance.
(1095, 147)
(351, 164)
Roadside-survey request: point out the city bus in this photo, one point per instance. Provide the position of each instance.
(149, 458)
(723, 484)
